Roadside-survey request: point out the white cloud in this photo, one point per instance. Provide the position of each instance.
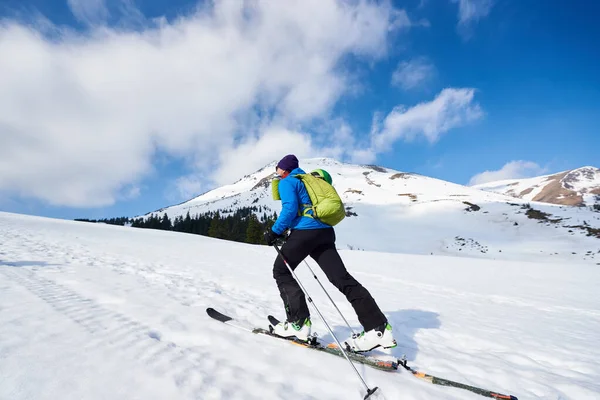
(450, 109)
(335, 138)
(255, 152)
(363, 156)
(188, 186)
(413, 73)
(99, 12)
(90, 12)
(472, 10)
(511, 170)
(342, 144)
(83, 114)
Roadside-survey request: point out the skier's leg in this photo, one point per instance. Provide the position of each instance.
(377, 331)
(326, 255)
(295, 249)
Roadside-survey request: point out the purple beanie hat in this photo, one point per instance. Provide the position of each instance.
(288, 163)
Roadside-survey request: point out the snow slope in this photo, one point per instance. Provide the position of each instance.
(386, 207)
(580, 186)
(105, 312)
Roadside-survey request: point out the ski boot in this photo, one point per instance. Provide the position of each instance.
(300, 329)
(380, 336)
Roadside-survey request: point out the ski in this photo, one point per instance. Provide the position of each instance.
(445, 382)
(368, 360)
(313, 343)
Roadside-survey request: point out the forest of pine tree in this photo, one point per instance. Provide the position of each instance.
(241, 225)
(111, 221)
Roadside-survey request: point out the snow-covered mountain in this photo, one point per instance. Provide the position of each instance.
(394, 211)
(577, 187)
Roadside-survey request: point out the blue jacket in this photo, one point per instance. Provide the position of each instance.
(293, 194)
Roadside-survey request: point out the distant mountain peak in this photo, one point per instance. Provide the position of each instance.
(576, 187)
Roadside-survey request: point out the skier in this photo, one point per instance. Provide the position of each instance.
(310, 237)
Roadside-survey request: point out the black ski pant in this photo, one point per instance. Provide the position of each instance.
(320, 245)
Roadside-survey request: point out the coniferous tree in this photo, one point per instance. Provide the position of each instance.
(187, 223)
(215, 229)
(254, 232)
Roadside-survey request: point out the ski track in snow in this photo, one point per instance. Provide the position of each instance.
(134, 340)
(92, 312)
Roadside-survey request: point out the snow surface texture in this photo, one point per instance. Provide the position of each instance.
(391, 211)
(105, 312)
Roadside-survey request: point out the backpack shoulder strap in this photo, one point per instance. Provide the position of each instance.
(307, 210)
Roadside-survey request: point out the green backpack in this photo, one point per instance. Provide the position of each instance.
(327, 206)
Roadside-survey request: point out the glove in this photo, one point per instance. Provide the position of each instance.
(271, 237)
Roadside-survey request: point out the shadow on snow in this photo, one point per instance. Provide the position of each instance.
(405, 324)
(19, 264)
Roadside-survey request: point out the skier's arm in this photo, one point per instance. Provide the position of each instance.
(289, 206)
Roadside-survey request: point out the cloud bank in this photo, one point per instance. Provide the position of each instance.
(450, 109)
(227, 88)
(511, 170)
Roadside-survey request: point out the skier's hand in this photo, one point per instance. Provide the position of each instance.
(271, 237)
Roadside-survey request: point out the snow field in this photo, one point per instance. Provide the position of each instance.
(96, 311)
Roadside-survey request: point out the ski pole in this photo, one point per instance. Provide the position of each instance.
(330, 299)
(369, 391)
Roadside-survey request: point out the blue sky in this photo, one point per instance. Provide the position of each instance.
(111, 112)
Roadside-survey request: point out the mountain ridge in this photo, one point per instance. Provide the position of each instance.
(384, 205)
(575, 187)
